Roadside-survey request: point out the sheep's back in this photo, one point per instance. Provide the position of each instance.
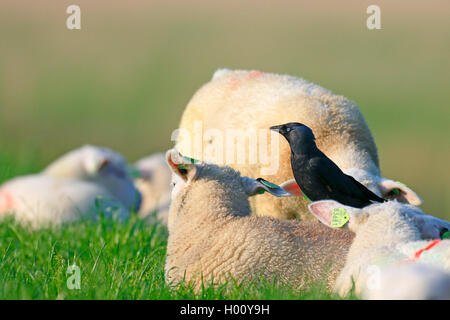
(245, 248)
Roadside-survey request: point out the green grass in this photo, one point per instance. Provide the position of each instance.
(117, 260)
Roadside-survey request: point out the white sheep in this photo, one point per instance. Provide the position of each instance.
(389, 236)
(154, 183)
(82, 183)
(251, 101)
(416, 281)
(41, 201)
(102, 166)
(83, 162)
(213, 236)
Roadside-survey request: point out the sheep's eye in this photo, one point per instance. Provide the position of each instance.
(183, 171)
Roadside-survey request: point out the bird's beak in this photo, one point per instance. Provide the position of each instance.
(276, 128)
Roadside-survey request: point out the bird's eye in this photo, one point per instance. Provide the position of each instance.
(288, 129)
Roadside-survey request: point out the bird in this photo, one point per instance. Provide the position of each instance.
(318, 177)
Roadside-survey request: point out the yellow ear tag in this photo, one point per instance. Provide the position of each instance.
(339, 217)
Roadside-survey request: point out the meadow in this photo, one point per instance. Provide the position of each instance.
(124, 79)
(116, 261)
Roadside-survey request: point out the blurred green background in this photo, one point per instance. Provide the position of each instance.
(125, 77)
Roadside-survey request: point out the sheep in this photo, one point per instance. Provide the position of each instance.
(249, 102)
(100, 165)
(410, 282)
(41, 201)
(79, 184)
(213, 236)
(153, 181)
(388, 237)
(84, 162)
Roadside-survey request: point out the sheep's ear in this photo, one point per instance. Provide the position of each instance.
(179, 166)
(259, 186)
(95, 163)
(394, 190)
(333, 214)
(292, 187)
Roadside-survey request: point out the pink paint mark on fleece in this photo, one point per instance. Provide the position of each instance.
(6, 201)
(254, 74)
(234, 84)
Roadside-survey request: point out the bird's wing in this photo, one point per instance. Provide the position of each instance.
(338, 182)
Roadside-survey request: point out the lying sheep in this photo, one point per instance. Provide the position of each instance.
(410, 282)
(251, 101)
(388, 236)
(213, 236)
(40, 201)
(100, 165)
(79, 184)
(154, 183)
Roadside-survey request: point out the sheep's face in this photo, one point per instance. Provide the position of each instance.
(83, 163)
(431, 227)
(428, 227)
(334, 214)
(116, 180)
(99, 165)
(109, 169)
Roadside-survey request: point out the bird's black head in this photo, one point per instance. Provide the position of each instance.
(294, 131)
